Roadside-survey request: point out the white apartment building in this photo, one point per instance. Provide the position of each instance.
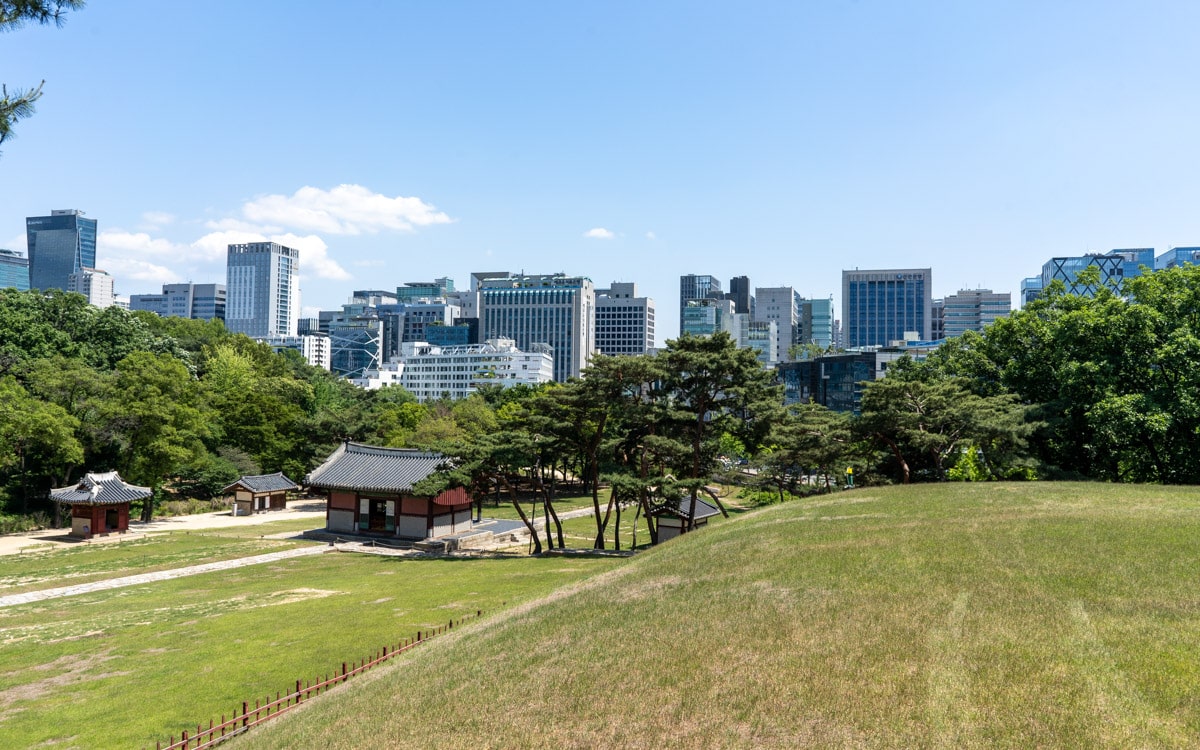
(314, 347)
(94, 284)
(431, 372)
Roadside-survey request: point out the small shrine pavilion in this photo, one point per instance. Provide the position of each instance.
(260, 492)
(674, 517)
(100, 503)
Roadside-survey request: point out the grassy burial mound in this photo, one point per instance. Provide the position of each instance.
(1030, 615)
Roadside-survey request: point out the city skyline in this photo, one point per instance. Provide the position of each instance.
(785, 143)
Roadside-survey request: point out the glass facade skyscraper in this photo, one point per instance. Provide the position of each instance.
(1177, 257)
(60, 244)
(881, 306)
(262, 290)
(14, 270)
(697, 287)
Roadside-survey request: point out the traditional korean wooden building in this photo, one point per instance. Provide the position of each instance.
(673, 517)
(370, 492)
(260, 492)
(100, 503)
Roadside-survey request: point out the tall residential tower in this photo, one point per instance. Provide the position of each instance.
(262, 290)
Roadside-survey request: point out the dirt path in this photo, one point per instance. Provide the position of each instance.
(161, 575)
(12, 544)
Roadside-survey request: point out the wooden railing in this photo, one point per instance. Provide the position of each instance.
(266, 709)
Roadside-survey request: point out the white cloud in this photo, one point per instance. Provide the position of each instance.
(314, 253)
(214, 246)
(314, 256)
(599, 233)
(239, 225)
(369, 263)
(346, 209)
(156, 220)
(651, 236)
(137, 270)
(120, 242)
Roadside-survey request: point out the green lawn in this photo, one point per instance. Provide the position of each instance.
(950, 616)
(52, 565)
(127, 667)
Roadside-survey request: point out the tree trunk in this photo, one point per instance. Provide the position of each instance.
(537, 543)
(617, 528)
(899, 457)
(602, 525)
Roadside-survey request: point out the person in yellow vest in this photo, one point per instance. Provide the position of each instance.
(849, 477)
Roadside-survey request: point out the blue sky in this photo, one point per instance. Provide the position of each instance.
(399, 141)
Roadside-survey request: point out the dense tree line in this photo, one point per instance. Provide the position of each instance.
(172, 404)
(1104, 387)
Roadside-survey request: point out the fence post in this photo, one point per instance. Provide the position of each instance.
(297, 691)
(184, 738)
(245, 713)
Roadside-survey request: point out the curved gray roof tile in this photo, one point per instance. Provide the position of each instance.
(354, 466)
(100, 488)
(276, 482)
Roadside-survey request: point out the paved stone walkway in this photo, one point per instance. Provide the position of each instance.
(161, 575)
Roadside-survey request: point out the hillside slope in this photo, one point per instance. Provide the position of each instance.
(1013, 615)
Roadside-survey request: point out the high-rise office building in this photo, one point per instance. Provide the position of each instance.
(14, 270)
(262, 290)
(974, 310)
(624, 321)
(739, 292)
(60, 244)
(697, 287)
(816, 322)
(195, 301)
(1173, 258)
(419, 290)
(759, 335)
(553, 309)
(1114, 267)
(937, 320)
(781, 305)
(881, 306)
(704, 317)
(1031, 289)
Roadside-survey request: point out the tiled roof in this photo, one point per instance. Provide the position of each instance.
(681, 508)
(276, 482)
(100, 488)
(354, 466)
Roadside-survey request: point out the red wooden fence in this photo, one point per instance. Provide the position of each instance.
(266, 709)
